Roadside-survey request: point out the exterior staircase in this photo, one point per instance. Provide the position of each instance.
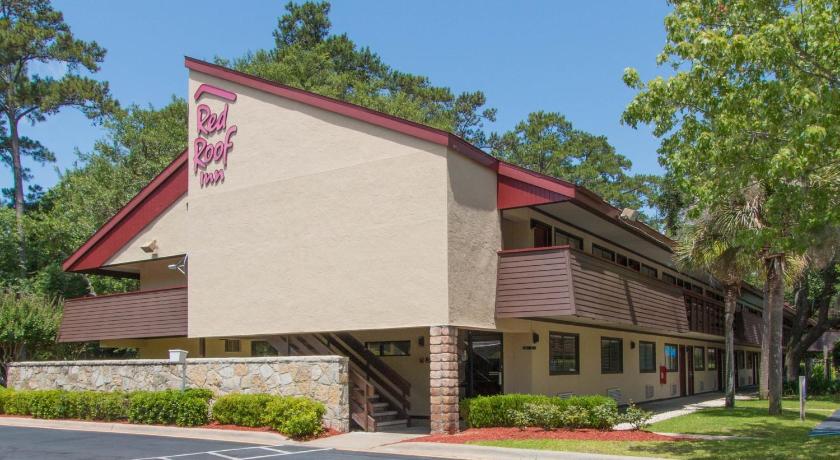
(378, 394)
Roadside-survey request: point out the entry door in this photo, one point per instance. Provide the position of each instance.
(484, 363)
(719, 360)
(689, 367)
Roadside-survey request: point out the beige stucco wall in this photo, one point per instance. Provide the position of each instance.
(329, 223)
(169, 230)
(157, 274)
(526, 371)
(474, 239)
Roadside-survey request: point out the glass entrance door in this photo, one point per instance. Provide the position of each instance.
(484, 363)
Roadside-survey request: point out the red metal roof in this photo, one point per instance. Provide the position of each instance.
(141, 210)
(517, 187)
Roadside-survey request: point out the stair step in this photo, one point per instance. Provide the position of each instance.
(379, 405)
(402, 421)
(384, 413)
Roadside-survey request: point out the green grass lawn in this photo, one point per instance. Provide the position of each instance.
(783, 437)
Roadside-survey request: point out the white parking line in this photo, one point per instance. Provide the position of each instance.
(218, 453)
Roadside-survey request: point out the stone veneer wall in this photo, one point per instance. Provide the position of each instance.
(322, 378)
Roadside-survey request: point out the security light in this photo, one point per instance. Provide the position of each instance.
(150, 247)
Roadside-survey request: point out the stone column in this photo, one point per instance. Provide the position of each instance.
(443, 379)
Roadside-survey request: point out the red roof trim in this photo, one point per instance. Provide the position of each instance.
(166, 188)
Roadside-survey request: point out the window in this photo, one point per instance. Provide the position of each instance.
(634, 265)
(672, 362)
(262, 348)
(621, 260)
(671, 279)
(649, 271)
(603, 253)
(699, 358)
(712, 361)
(542, 234)
(563, 354)
(739, 359)
(647, 357)
(232, 346)
(749, 360)
(561, 238)
(697, 289)
(612, 361)
(389, 348)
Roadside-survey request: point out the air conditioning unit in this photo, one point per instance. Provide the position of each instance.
(701, 385)
(673, 389)
(566, 395)
(648, 391)
(615, 393)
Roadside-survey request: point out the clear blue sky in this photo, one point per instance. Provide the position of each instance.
(559, 56)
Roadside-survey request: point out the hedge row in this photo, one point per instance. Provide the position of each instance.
(295, 417)
(521, 410)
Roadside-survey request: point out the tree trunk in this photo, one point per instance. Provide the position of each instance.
(793, 358)
(732, 293)
(775, 268)
(17, 171)
(763, 370)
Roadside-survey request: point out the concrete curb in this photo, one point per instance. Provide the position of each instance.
(209, 434)
(467, 452)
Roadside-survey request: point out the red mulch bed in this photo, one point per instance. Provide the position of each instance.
(495, 434)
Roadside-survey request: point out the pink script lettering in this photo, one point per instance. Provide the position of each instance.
(206, 152)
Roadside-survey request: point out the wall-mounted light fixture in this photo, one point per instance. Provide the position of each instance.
(632, 345)
(535, 338)
(150, 247)
(421, 341)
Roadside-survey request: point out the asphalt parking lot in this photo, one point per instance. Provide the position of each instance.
(47, 444)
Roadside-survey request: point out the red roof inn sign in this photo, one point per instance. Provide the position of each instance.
(206, 154)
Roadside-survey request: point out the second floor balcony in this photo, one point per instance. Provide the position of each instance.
(559, 281)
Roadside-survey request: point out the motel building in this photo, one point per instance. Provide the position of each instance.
(295, 224)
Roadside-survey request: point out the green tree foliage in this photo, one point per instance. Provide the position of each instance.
(139, 145)
(547, 143)
(28, 322)
(31, 31)
(309, 57)
(707, 244)
(749, 119)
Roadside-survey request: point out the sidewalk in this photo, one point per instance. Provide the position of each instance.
(663, 410)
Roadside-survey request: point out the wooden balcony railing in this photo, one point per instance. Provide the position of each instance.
(131, 315)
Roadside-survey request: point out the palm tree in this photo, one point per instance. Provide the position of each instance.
(704, 244)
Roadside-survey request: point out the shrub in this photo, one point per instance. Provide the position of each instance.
(96, 405)
(497, 410)
(47, 404)
(637, 417)
(520, 418)
(604, 416)
(201, 393)
(547, 411)
(241, 409)
(168, 407)
(5, 394)
(19, 402)
(296, 417)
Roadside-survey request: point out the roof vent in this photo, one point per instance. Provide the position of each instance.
(630, 214)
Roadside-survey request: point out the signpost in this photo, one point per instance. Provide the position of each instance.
(180, 356)
(802, 397)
